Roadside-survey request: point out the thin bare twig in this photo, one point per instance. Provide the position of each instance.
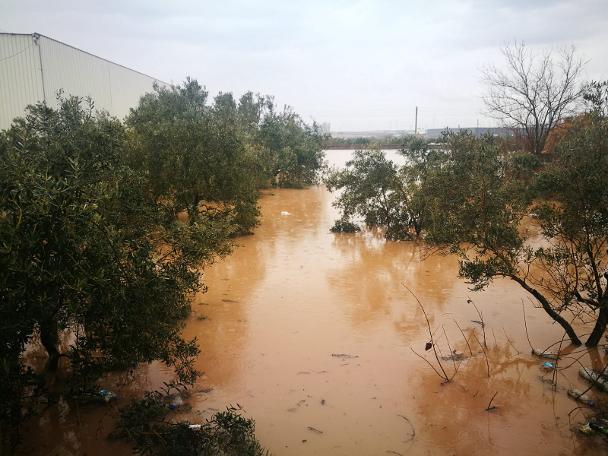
(510, 342)
(526, 324)
(432, 342)
(491, 407)
(483, 323)
(464, 337)
(485, 355)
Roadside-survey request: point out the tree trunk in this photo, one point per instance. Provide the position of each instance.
(600, 326)
(552, 313)
(50, 341)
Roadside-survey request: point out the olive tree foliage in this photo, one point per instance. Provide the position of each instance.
(89, 261)
(533, 92)
(219, 153)
(382, 192)
(295, 148)
(194, 152)
(147, 424)
(482, 198)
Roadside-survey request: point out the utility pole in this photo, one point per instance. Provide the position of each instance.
(416, 122)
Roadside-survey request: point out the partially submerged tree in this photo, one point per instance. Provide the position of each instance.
(534, 92)
(146, 424)
(193, 152)
(384, 193)
(296, 149)
(481, 199)
(371, 189)
(88, 255)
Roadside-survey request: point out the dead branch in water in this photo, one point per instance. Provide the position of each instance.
(483, 323)
(464, 337)
(510, 342)
(523, 309)
(413, 434)
(443, 374)
(491, 407)
(450, 348)
(485, 355)
(429, 363)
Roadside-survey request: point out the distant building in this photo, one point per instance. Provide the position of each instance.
(34, 68)
(436, 133)
(379, 134)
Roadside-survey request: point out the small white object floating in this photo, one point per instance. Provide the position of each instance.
(285, 213)
(542, 354)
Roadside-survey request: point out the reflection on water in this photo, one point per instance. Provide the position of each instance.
(293, 294)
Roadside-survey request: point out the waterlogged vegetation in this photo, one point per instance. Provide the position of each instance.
(474, 197)
(105, 227)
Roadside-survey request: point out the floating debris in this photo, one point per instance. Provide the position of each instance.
(176, 403)
(284, 213)
(455, 356)
(594, 377)
(595, 425)
(315, 430)
(543, 354)
(580, 397)
(412, 429)
(547, 365)
(107, 395)
(344, 355)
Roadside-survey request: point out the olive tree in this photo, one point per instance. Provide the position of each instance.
(296, 148)
(194, 152)
(482, 195)
(372, 188)
(91, 264)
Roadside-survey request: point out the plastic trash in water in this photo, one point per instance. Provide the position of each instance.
(542, 354)
(195, 427)
(285, 213)
(548, 365)
(580, 397)
(176, 403)
(107, 395)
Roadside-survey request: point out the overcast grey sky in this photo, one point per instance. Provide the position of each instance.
(359, 65)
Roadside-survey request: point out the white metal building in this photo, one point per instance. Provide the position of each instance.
(34, 68)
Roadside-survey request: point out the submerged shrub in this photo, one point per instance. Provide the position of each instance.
(145, 423)
(344, 226)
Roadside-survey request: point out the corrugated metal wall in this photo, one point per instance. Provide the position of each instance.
(20, 77)
(23, 81)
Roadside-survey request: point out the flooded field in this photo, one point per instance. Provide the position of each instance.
(311, 333)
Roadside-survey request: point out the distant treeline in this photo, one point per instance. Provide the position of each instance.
(389, 142)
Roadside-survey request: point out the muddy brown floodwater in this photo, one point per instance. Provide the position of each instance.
(294, 295)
